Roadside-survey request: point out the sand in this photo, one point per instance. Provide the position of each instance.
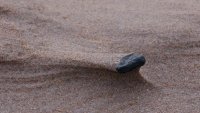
(58, 56)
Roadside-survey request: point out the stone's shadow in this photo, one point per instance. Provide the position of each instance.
(133, 79)
(132, 76)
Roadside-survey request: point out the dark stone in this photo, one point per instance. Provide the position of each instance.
(130, 62)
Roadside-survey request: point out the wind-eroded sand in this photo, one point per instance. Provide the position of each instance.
(55, 56)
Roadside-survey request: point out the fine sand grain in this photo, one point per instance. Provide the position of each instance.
(58, 56)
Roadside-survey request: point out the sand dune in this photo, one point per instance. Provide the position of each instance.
(57, 56)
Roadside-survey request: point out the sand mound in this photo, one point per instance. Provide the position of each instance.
(58, 56)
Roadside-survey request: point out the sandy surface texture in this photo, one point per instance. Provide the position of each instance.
(57, 56)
